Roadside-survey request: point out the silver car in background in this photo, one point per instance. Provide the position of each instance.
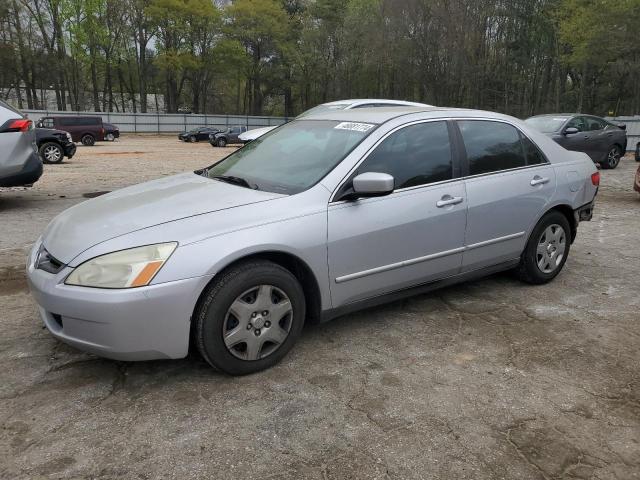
(250, 135)
(327, 214)
(20, 163)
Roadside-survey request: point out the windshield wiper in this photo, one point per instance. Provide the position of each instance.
(234, 181)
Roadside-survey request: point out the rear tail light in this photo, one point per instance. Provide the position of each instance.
(595, 179)
(16, 125)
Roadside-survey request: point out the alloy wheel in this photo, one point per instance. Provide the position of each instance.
(613, 157)
(257, 323)
(52, 154)
(551, 248)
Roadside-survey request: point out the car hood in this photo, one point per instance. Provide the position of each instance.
(142, 206)
(44, 132)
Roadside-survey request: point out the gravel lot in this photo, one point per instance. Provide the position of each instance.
(487, 380)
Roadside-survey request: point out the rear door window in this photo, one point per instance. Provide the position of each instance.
(491, 146)
(415, 155)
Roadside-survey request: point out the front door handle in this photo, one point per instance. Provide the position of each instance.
(448, 200)
(538, 180)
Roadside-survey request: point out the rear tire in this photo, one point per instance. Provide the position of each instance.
(613, 158)
(51, 152)
(546, 251)
(232, 331)
(88, 140)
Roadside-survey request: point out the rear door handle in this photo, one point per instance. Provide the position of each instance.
(448, 200)
(538, 180)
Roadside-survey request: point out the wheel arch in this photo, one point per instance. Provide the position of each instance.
(568, 212)
(294, 264)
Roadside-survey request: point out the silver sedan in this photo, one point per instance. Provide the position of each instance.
(327, 214)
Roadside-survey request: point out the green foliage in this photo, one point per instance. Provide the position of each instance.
(276, 56)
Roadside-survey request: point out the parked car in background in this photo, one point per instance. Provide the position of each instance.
(198, 134)
(20, 163)
(254, 133)
(327, 214)
(87, 130)
(638, 152)
(604, 141)
(333, 106)
(54, 145)
(227, 137)
(111, 131)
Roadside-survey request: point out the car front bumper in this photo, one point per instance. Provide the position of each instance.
(69, 149)
(144, 323)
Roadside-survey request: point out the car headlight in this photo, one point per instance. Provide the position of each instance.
(131, 268)
(69, 137)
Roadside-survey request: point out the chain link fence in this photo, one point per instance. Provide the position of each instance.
(166, 123)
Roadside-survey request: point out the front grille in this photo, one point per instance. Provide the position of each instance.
(45, 261)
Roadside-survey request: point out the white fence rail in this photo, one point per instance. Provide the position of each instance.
(166, 123)
(633, 130)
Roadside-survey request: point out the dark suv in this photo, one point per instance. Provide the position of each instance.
(54, 145)
(226, 137)
(87, 130)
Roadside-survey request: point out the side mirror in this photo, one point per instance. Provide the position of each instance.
(373, 184)
(571, 131)
(39, 124)
(622, 126)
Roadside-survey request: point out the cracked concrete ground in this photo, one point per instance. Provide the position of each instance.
(488, 380)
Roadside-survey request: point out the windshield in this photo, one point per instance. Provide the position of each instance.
(546, 124)
(293, 157)
(325, 109)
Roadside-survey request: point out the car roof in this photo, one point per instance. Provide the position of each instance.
(360, 101)
(380, 115)
(565, 115)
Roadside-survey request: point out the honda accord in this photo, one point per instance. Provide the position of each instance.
(330, 213)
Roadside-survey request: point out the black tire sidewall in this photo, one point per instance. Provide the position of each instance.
(529, 263)
(192, 139)
(217, 300)
(222, 142)
(88, 140)
(606, 162)
(42, 148)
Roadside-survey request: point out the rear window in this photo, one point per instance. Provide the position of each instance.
(9, 107)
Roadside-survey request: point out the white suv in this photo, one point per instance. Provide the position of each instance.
(20, 163)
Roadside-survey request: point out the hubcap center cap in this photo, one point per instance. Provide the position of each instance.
(259, 321)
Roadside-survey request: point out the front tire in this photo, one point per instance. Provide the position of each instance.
(88, 140)
(546, 251)
(193, 139)
(51, 152)
(221, 142)
(613, 158)
(110, 137)
(250, 318)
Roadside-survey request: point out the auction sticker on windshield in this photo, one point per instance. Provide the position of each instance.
(356, 127)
